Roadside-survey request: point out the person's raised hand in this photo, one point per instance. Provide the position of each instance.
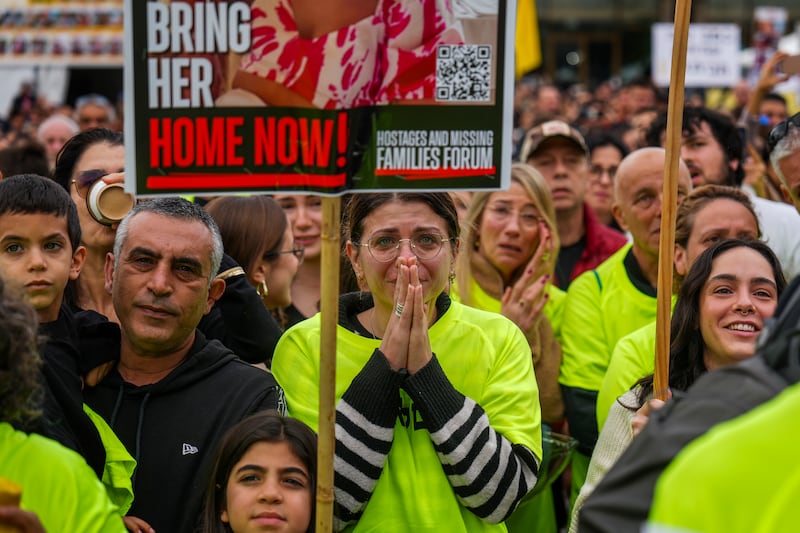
(20, 520)
(754, 170)
(137, 525)
(642, 416)
(770, 77)
(419, 345)
(524, 301)
(398, 329)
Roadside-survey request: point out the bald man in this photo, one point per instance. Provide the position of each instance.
(617, 298)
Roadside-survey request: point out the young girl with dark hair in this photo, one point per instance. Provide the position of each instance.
(264, 477)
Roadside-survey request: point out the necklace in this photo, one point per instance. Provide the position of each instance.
(373, 329)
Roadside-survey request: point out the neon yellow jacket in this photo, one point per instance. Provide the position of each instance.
(119, 467)
(741, 476)
(633, 358)
(602, 306)
(57, 484)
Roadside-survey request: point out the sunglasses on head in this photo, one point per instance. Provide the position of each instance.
(779, 131)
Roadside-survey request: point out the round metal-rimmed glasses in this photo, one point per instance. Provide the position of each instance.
(386, 247)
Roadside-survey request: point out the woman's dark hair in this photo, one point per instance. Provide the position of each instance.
(599, 140)
(266, 426)
(686, 347)
(20, 392)
(251, 227)
(74, 148)
(362, 205)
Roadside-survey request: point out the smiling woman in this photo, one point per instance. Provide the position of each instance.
(730, 290)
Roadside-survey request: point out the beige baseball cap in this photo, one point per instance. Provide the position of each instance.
(546, 130)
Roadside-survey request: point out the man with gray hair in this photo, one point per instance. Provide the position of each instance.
(173, 393)
(94, 111)
(53, 133)
(784, 146)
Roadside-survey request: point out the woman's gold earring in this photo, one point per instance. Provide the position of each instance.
(262, 289)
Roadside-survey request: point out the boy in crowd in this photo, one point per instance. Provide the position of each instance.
(40, 253)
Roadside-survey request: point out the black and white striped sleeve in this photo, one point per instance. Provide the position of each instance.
(365, 419)
(488, 473)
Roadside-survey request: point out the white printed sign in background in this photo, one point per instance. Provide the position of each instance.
(712, 58)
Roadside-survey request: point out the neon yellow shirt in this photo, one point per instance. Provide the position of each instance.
(553, 308)
(741, 476)
(485, 357)
(57, 484)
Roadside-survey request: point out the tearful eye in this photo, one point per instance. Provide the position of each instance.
(426, 239)
(384, 242)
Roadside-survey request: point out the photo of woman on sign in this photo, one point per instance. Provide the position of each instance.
(343, 53)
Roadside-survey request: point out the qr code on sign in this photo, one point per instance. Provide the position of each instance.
(463, 72)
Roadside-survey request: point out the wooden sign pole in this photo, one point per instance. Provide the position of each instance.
(329, 308)
(683, 10)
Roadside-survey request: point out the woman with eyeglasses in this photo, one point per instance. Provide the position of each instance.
(505, 266)
(605, 154)
(438, 425)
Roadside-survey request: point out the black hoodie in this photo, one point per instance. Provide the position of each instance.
(173, 427)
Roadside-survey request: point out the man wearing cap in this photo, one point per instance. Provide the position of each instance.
(558, 151)
(784, 144)
(616, 298)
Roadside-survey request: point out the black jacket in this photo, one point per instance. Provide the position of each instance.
(241, 321)
(173, 427)
(63, 418)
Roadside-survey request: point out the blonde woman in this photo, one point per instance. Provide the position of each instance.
(507, 260)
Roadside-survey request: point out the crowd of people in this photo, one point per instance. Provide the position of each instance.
(160, 372)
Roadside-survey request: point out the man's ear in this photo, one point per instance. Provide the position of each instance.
(78, 260)
(109, 271)
(617, 212)
(215, 292)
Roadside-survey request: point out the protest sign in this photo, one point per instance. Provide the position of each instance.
(230, 97)
(712, 59)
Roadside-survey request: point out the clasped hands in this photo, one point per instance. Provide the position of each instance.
(405, 342)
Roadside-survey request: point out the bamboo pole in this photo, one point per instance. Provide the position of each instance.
(683, 10)
(329, 309)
